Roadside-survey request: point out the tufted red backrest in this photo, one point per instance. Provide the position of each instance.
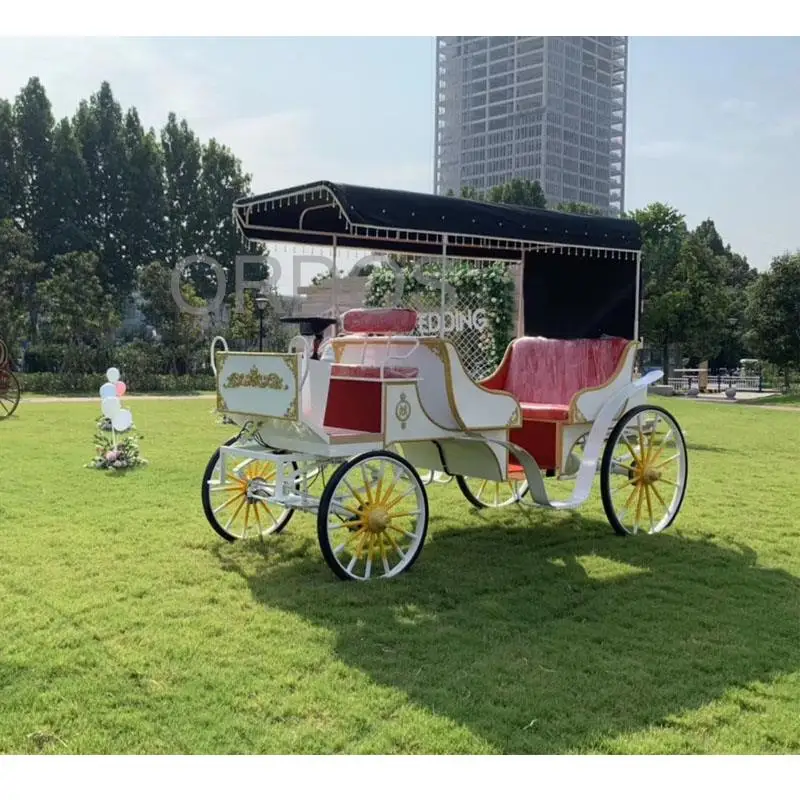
(379, 321)
(552, 370)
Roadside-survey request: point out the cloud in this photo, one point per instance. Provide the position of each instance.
(667, 148)
(737, 106)
(785, 128)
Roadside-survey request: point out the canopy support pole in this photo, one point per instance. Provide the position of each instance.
(638, 296)
(443, 284)
(334, 293)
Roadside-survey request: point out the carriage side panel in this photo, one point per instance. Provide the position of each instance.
(259, 384)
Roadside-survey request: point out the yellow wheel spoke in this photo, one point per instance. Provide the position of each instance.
(227, 503)
(649, 506)
(638, 507)
(238, 509)
(385, 499)
(390, 506)
(668, 461)
(246, 515)
(659, 498)
(367, 487)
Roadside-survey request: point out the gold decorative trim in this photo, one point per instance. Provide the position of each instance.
(255, 380)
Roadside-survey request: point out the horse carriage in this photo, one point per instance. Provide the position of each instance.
(368, 403)
(9, 385)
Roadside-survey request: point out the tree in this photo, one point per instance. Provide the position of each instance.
(98, 128)
(180, 332)
(183, 155)
(221, 183)
(68, 198)
(8, 175)
(774, 315)
(573, 207)
(706, 303)
(18, 276)
(663, 231)
(77, 310)
(33, 134)
(737, 276)
(519, 192)
(144, 232)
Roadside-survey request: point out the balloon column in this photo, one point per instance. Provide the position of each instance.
(111, 393)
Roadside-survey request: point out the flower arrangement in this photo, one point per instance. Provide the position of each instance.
(124, 454)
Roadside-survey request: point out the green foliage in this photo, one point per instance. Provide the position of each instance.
(18, 277)
(573, 207)
(76, 311)
(180, 331)
(88, 385)
(487, 286)
(774, 314)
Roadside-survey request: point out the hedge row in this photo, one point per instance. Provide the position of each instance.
(53, 383)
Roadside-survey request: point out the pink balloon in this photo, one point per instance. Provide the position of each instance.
(121, 387)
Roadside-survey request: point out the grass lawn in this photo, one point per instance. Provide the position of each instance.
(128, 626)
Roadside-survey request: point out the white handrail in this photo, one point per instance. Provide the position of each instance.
(213, 349)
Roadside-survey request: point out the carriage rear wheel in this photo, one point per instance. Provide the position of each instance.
(239, 508)
(9, 393)
(644, 471)
(373, 517)
(483, 493)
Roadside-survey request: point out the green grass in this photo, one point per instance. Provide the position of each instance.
(128, 626)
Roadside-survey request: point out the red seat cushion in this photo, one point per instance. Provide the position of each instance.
(543, 411)
(370, 371)
(379, 321)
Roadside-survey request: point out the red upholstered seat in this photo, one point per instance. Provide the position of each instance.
(545, 374)
(371, 372)
(544, 411)
(379, 321)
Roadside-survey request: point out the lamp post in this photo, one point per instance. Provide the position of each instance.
(261, 304)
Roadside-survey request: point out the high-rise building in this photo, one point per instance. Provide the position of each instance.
(546, 108)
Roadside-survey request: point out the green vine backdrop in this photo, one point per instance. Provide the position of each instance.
(476, 285)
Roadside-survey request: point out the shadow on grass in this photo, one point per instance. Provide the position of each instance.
(707, 448)
(548, 634)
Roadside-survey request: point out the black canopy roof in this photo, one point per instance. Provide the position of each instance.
(413, 222)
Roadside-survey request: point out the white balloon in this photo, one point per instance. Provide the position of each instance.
(112, 374)
(122, 420)
(108, 390)
(110, 406)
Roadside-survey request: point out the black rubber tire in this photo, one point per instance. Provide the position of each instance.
(327, 497)
(10, 398)
(206, 498)
(466, 491)
(605, 465)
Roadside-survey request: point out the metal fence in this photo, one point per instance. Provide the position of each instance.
(719, 383)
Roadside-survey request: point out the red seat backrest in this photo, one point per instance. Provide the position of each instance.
(551, 371)
(379, 321)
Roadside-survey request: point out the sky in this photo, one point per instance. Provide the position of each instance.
(713, 123)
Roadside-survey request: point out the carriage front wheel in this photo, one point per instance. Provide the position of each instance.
(9, 392)
(373, 517)
(239, 507)
(644, 471)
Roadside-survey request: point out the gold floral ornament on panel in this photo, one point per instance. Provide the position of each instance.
(255, 380)
(402, 410)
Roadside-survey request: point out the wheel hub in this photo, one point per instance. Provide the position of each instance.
(377, 520)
